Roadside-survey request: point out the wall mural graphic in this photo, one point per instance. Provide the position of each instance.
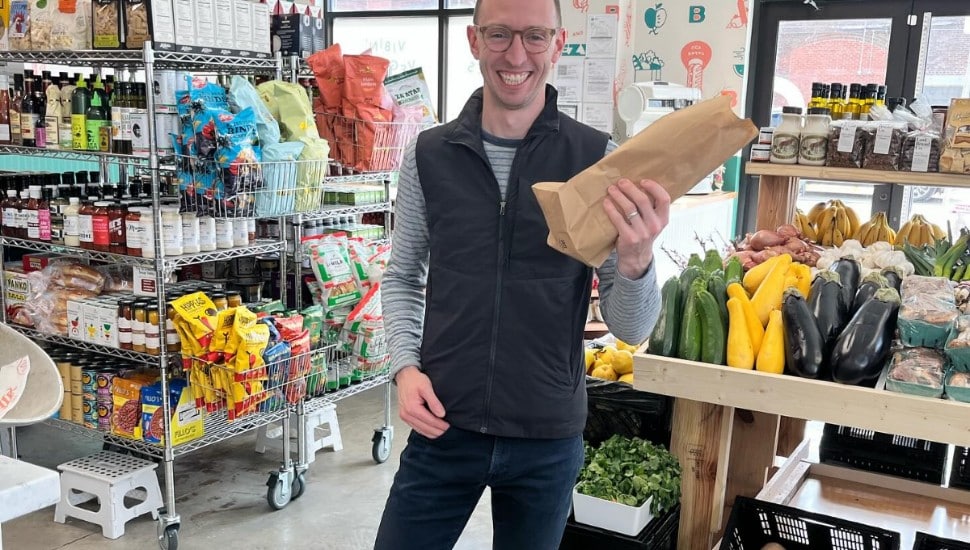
(655, 18)
(696, 56)
(581, 5)
(648, 61)
(740, 19)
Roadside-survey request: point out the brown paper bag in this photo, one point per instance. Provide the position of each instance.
(677, 151)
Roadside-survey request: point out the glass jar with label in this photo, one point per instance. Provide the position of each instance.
(814, 139)
(172, 342)
(133, 231)
(234, 298)
(784, 142)
(153, 341)
(116, 228)
(139, 316)
(171, 231)
(99, 224)
(220, 300)
(147, 223)
(125, 318)
(190, 233)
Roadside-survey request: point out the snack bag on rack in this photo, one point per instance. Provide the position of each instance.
(277, 358)
(369, 307)
(299, 367)
(313, 323)
(245, 398)
(328, 68)
(19, 27)
(331, 265)
(238, 159)
(243, 321)
(363, 96)
(225, 322)
(290, 105)
(377, 263)
(334, 321)
(410, 89)
(198, 317)
(956, 154)
(923, 145)
(370, 347)
(280, 175)
(248, 363)
(243, 95)
(358, 253)
(126, 410)
(312, 169)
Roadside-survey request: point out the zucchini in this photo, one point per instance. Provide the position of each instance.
(695, 260)
(712, 261)
(687, 278)
(718, 289)
(663, 339)
(733, 271)
(689, 343)
(712, 329)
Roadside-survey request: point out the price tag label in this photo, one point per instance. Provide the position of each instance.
(847, 137)
(884, 137)
(921, 153)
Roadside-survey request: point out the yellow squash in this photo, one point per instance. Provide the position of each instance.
(740, 352)
(753, 278)
(756, 332)
(771, 357)
(768, 295)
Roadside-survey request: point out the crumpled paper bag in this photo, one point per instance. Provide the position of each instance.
(677, 151)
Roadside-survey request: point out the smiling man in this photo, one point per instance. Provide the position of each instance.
(484, 320)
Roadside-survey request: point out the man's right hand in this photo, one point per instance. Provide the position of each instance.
(419, 406)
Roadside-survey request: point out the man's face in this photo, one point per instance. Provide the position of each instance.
(515, 78)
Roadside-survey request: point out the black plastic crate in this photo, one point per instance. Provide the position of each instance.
(960, 471)
(617, 408)
(926, 541)
(659, 534)
(883, 453)
(755, 523)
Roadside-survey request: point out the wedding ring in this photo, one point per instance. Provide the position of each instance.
(633, 214)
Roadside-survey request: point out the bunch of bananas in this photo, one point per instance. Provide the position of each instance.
(918, 231)
(833, 222)
(805, 226)
(876, 229)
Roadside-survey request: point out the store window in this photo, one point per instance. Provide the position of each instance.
(382, 5)
(460, 3)
(841, 51)
(464, 76)
(407, 42)
(943, 73)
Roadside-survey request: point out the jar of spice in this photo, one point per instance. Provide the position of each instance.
(153, 342)
(139, 316)
(784, 142)
(814, 139)
(133, 231)
(172, 231)
(125, 319)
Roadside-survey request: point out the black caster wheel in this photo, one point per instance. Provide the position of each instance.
(169, 538)
(299, 486)
(278, 495)
(382, 445)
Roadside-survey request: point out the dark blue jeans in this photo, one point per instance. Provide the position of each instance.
(441, 480)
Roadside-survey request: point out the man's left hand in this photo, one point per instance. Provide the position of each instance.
(639, 213)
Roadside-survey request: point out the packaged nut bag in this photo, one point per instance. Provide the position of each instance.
(106, 23)
(956, 156)
(677, 151)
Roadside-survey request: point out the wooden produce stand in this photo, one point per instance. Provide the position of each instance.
(721, 412)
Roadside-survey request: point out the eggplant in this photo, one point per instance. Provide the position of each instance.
(867, 289)
(849, 272)
(862, 349)
(804, 347)
(825, 303)
(893, 276)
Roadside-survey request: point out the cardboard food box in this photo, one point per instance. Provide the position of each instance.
(36, 262)
(262, 41)
(293, 32)
(185, 36)
(243, 23)
(163, 25)
(225, 30)
(205, 26)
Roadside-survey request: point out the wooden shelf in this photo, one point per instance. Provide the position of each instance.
(687, 202)
(880, 410)
(858, 175)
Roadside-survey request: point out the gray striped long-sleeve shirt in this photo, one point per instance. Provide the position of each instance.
(630, 307)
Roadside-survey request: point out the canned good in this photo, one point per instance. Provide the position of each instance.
(89, 383)
(760, 153)
(104, 380)
(76, 386)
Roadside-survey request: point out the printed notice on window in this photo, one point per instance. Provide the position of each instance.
(569, 79)
(599, 116)
(599, 80)
(601, 35)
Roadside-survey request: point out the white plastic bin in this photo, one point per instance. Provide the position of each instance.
(611, 516)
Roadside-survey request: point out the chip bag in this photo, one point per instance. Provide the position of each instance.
(280, 175)
(197, 316)
(243, 95)
(331, 265)
(238, 159)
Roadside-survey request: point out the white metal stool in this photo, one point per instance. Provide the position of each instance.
(315, 438)
(107, 477)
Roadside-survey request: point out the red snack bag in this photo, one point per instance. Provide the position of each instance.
(363, 80)
(328, 68)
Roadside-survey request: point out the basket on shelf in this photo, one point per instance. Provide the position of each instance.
(361, 146)
(755, 523)
(883, 453)
(925, 541)
(960, 470)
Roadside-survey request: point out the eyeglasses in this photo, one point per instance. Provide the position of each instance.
(498, 38)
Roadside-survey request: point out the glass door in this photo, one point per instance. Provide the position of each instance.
(844, 42)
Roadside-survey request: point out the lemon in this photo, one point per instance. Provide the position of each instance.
(606, 355)
(628, 378)
(622, 362)
(604, 372)
(590, 358)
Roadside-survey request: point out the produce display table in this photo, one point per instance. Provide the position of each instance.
(722, 412)
(721, 408)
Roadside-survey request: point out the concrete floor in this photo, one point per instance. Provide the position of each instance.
(221, 494)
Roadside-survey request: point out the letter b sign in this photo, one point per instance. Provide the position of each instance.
(697, 14)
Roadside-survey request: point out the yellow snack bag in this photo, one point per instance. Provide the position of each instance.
(223, 333)
(244, 320)
(248, 362)
(246, 397)
(199, 313)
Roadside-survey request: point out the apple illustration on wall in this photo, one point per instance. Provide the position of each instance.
(655, 17)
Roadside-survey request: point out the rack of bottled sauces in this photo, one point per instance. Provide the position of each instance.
(850, 102)
(76, 113)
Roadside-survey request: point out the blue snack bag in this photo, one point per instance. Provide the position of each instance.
(237, 158)
(280, 171)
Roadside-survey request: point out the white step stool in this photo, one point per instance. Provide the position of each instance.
(108, 477)
(315, 438)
